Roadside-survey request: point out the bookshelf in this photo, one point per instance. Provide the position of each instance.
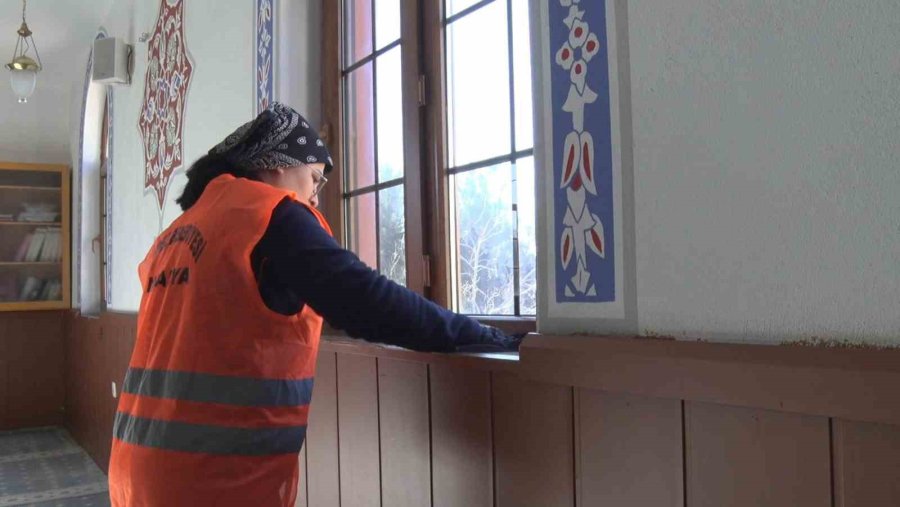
(35, 234)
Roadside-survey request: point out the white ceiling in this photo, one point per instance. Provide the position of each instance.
(63, 30)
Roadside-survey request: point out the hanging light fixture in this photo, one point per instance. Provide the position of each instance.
(23, 69)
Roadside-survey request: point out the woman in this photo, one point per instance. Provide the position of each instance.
(215, 402)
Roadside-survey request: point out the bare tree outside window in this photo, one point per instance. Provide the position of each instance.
(491, 157)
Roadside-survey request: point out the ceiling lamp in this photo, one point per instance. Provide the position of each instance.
(23, 69)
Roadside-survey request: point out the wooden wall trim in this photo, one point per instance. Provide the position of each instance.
(25, 166)
(854, 384)
(507, 362)
(857, 384)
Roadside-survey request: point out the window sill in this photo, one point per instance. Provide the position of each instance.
(333, 342)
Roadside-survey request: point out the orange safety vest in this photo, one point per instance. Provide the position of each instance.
(214, 407)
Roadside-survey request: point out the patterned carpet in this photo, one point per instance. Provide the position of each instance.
(46, 468)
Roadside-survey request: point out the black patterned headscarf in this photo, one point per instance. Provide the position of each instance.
(279, 137)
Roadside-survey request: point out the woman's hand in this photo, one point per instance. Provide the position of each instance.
(496, 341)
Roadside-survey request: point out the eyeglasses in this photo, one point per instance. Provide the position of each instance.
(320, 183)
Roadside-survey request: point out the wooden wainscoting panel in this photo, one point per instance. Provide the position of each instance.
(630, 450)
(405, 441)
(35, 371)
(358, 430)
(122, 331)
(4, 371)
(462, 453)
(301, 484)
(322, 464)
(119, 334)
(79, 409)
(856, 384)
(748, 457)
(866, 464)
(533, 443)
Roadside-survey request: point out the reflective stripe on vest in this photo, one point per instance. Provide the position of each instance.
(208, 388)
(186, 437)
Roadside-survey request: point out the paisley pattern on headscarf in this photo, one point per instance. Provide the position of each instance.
(279, 137)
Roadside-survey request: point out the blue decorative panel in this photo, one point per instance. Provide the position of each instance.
(583, 191)
(265, 53)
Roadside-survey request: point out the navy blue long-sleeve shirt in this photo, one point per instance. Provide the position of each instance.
(298, 263)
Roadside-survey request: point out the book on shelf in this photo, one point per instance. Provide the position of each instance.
(38, 212)
(34, 247)
(50, 248)
(23, 247)
(42, 245)
(31, 289)
(55, 291)
(36, 289)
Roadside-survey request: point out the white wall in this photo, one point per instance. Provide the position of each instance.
(299, 70)
(220, 39)
(766, 150)
(765, 157)
(37, 131)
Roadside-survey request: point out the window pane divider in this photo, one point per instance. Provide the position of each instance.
(517, 310)
(373, 188)
(511, 157)
(371, 57)
(468, 10)
(375, 136)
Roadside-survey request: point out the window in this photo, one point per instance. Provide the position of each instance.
(104, 198)
(373, 190)
(433, 141)
(92, 205)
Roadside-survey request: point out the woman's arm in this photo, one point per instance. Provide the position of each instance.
(298, 263)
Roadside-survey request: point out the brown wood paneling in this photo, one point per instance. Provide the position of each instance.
(301, 485)
(629, 450)
(748, 457)
(866, 464)
(358, 430)
(831, 382)
(405, 441)
(533, 443)
(4, 371)
(118, 333)
(412, 186)
(735, 456)
(321, 446)
(79, 407)
(84, 391)
(33, 392)
(97, 353)
(332, 127)
(436, 198)
(121, 328)
(462, 458)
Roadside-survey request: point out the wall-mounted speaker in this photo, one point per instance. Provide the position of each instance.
(111, 63)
